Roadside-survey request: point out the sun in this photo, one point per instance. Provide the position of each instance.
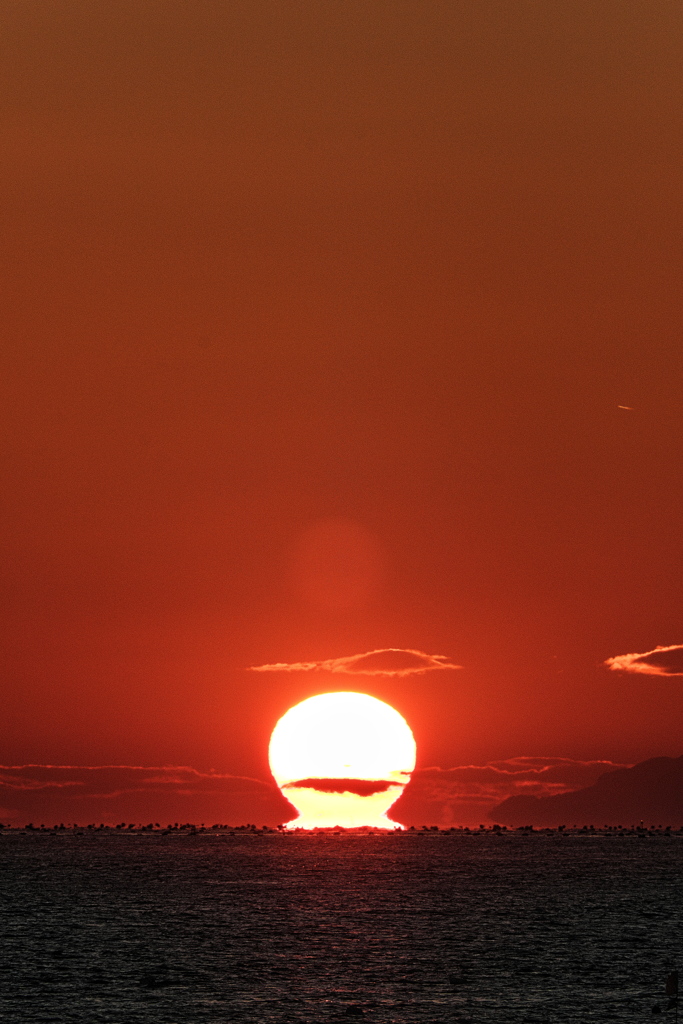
(342, 759)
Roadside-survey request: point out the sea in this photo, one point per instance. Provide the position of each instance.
(189, 925)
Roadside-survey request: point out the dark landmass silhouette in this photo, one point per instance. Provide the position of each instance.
(651, 791)
(361, 787)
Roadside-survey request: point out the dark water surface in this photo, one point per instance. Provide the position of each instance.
(143, 927)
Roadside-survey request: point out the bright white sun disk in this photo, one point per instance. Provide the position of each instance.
(341, 736)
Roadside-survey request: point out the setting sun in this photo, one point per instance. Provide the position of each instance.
(342, 759)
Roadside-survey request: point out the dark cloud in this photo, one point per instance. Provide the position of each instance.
(390, 661)
(651, 791)
(361, 787)
(662, 661)
(466, 794)
(113, 793)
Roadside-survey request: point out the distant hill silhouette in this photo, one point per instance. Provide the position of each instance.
(651, 791)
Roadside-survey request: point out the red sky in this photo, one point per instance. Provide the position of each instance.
(317, 321)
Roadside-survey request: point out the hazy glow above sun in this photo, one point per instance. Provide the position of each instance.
(342, 759)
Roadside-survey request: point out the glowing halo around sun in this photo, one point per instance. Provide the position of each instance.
(342, 759)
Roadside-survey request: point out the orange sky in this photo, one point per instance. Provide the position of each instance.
(382, 269)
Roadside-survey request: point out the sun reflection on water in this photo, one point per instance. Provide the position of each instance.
(342, 810)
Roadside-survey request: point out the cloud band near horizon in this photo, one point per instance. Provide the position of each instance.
(52, 794)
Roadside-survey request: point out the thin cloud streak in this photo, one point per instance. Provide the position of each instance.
(393, 662)
(662, 661)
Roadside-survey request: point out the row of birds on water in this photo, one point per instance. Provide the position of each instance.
(499, 830)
